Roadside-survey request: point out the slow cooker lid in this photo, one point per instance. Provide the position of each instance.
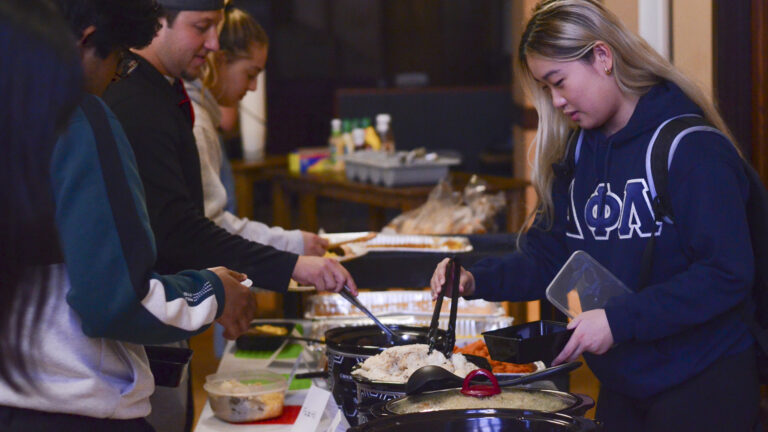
(441, 400)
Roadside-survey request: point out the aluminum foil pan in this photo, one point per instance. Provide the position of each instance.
(398, 302)
(466, 327)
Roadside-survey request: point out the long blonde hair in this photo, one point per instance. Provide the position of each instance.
(239, 31)
(567, 30)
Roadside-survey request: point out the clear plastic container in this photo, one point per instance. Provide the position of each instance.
(246, 396)
(583, 284)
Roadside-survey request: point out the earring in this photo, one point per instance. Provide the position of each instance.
(608, 70)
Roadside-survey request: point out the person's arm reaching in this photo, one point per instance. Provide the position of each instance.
(185, 237)
(109, 249)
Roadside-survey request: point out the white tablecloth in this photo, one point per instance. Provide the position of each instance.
(209, 423)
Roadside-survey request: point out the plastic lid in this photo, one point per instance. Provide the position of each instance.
(336, 125)
(245, 383)
(583, 284)
(383, 118)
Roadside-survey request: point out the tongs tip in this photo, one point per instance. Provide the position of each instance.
(452, 279)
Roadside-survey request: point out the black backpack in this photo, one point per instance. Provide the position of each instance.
(664, 140)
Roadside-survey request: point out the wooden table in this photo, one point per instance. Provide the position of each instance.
(248, 173)
(308, 187)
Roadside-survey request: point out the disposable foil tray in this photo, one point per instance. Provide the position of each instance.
(466, 327)
(396, 302)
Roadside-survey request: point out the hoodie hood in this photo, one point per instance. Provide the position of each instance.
(663, 101)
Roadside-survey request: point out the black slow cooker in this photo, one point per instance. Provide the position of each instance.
(348, 346)
(480, 420)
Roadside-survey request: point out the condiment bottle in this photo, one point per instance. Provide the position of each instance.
(384, 129)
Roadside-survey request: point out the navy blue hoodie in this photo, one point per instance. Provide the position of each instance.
(684, 319)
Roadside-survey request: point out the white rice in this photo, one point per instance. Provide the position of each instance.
(396, 364)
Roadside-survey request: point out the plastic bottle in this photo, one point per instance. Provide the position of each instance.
(358, 137)
(384, 128)
(346, 136)
(336, 145)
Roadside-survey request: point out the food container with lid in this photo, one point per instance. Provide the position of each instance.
(583, 284)
(245, 396)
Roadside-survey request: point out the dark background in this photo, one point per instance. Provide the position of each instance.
(321, 46)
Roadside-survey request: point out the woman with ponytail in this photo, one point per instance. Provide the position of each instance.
(230, 73)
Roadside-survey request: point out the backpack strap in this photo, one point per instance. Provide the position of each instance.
(757, 209)
(567, 166)
(658, 160)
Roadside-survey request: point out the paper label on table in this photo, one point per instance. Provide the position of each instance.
(319, 413)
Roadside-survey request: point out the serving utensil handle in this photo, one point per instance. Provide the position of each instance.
(455, 268)
(435, 323)
(480, 390)
(347, 294)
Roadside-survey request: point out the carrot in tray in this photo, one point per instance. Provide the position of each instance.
(478, 348)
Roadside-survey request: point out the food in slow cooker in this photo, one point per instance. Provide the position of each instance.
(509, 399)
(397, 364)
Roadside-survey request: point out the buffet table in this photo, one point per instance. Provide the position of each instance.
(290, 358)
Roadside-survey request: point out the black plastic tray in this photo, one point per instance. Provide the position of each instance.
(526, 343)
(168, 364)
(263, 342)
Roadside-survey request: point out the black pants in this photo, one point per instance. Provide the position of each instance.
(724, 397)
(26, 420)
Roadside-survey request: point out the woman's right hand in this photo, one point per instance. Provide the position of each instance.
(466, 281)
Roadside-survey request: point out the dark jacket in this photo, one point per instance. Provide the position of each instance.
(684, 319)
(160, 131)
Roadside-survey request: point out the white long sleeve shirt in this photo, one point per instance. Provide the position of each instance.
(207, 121)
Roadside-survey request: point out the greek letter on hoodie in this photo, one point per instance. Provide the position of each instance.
(703, 267)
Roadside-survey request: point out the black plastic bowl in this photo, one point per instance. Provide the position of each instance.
(529, 342)
(480, 420)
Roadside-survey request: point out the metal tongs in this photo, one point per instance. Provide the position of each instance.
(452, 278)
(347, 294)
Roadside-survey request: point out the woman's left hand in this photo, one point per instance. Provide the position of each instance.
(592, 335)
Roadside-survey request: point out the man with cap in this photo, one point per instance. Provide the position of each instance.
(157, 117)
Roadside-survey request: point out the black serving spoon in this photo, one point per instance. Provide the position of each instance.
(429, 378)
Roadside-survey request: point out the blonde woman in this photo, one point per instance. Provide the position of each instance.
(230, 73)
(666, 352)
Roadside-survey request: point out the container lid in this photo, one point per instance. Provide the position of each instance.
(510, 398)
(583, 284)
(245, 383)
